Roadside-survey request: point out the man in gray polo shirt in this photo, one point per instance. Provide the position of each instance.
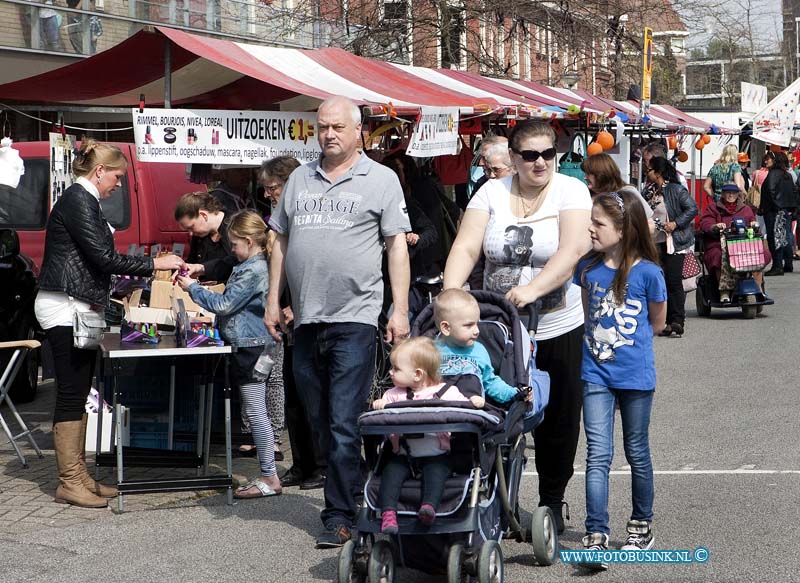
(333, 219)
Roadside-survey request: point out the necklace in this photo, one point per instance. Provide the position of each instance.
(527, 210)
(530, 205)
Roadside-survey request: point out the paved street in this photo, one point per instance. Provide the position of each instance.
(725, 442)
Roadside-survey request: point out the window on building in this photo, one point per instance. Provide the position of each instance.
(702, 79)
(451, 42)
(525, 58)
(396, 11)
(515, 53)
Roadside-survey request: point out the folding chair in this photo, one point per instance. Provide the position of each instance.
(21, 349)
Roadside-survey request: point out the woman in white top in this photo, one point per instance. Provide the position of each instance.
(533, 229)
(79, 259)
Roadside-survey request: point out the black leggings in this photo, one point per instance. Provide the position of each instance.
(435, 471)
(74, 369)
(672, 264)
(556, 438)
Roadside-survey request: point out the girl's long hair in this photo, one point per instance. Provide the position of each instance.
(637, 243)
(249, 225)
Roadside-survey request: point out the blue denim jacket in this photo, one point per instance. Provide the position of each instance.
(240, 308)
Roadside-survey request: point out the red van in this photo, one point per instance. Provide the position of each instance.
(141, 211)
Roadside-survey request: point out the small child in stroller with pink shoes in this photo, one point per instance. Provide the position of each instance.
(416, 367)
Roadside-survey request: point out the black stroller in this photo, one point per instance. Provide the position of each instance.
(480, 503)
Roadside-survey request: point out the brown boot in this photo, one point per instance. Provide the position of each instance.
(66, 436)
(86, 477)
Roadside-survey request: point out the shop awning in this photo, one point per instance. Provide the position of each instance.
(221, 74)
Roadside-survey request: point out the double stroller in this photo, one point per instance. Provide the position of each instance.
(480, 503)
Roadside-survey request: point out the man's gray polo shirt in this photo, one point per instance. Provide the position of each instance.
(335, 239)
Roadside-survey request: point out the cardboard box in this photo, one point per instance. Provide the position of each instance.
(161, 316)
(105, 443)
(163, 292)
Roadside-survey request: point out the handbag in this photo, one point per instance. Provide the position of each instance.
(571, 162)
(691, 266)
(753, 196)
(87, 330)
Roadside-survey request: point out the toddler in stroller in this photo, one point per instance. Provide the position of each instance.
(415, 373)
(479, 505)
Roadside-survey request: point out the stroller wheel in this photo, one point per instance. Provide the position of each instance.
(490, 563)
(381, 563)
(454, 558)
(544, 536)
(348, 570)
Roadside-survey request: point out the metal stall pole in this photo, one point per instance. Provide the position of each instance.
(202, 389)
(167, 74)
(118, 432)
(228, 460)
(171, 421)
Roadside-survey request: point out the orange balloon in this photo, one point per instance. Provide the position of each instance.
(682, 156)
(699, 144)
(706, 138)
(594, 148)
(672, 142)
(605, 139)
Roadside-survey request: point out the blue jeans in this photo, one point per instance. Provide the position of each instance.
(598, 420)
(333, 368)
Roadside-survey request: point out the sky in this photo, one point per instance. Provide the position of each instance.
(767, 23)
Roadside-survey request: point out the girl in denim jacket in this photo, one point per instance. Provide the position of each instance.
(240, 311)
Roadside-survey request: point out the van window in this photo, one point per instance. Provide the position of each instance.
(117, 207)
(26, 206)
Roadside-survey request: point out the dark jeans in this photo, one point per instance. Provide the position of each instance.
(435, 471)
(556, 438)
(305, 454)
(333, 367)
(74, 368)
(673, 276)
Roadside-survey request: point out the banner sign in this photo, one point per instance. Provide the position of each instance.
(647, 70)
(435, 133)
(754, 97)
(774, 124)
(211, 136)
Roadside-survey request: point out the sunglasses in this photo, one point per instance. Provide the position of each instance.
(533, 155)
(494, 169)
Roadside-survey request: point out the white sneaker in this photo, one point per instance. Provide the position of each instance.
(640, 536)
(595, 541)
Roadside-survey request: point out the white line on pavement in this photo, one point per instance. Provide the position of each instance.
(739, 471)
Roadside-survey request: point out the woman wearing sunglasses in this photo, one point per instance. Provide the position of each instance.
(553, 210)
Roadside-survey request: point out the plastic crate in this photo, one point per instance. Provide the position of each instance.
(746, 254)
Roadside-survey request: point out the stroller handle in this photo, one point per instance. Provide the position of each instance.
(532, 315)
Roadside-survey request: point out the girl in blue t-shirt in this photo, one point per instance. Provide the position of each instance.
(624, 299)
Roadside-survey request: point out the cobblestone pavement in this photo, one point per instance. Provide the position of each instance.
(26, 494)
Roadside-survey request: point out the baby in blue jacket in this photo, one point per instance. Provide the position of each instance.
(457, 313)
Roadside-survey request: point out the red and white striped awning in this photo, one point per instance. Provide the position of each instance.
(212, 73)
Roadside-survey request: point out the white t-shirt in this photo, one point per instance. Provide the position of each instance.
(517, 249)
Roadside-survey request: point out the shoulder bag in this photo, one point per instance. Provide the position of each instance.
(570, 163)
(87, 330)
